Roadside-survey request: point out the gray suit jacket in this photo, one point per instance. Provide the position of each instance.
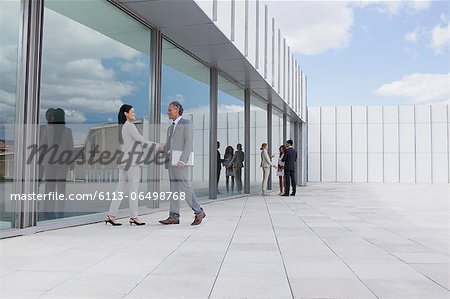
(182, 139)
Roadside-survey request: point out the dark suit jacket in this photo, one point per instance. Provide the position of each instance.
(289, 159)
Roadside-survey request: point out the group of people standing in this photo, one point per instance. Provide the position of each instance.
(233, 162)
(285, 167)
(180, 139)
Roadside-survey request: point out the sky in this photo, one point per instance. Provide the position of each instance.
(369, 53)
(352, 52)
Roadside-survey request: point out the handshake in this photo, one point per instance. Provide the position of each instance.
(160, 146)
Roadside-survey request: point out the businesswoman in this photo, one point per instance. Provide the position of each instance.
(265, 165)
(280, 169)
(129, 178)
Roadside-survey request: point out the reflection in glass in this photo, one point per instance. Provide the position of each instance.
(186, 80)
(230, 135)
(95, 58)
(277, 140)
(9, 43)
(258, 135)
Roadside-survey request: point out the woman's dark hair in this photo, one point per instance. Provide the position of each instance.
(282, 147)
(229, 151)
(121, 119)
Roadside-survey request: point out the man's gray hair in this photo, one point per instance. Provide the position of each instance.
(178, 106)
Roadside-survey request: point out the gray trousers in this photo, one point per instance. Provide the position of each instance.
(128, 179)
(266, 171)
(179, 183)
(238, 177)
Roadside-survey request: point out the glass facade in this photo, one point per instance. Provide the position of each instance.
(258, 135)
(230, 137)
(9, 46)
(277, 141)
(95, 58)
(186, 80)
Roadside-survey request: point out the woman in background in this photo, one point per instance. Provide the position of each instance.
(265, 165)
(280, 169)
(227, 158)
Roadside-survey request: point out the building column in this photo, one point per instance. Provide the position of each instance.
(213, 95)
(27, 115)
(154, 170)
(303, 154)
(247, 141)
(269, 141)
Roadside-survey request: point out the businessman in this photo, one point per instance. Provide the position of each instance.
(289, 159)
(180, 138)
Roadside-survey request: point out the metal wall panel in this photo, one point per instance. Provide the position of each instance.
(224, 17)
(206, 6)
(313, 138)
(406, 144)
(407, 168)
(375, 144)
(359, 138)
(391, 168)
(328, 167)
(269, 54)
(343, 167)
(344, 138)
(423, 168)
(439, 143)
(239, 29)
(262, 36)
(440, 168)
(313, 167)
(313, 115)
(375, 168)
(390, 114)
(359, 167)
(252, 33)
(375, 138)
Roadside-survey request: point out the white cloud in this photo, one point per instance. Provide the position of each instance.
(440, 36)
(313, 27)
(78, 71)
(395, 7)
(412, 37)
(419, 88)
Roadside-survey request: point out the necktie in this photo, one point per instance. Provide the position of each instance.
(172, 128)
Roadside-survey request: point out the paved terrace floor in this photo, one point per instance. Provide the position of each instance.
(330, 241)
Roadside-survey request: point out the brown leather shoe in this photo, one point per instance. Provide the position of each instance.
(170, 220)
(198, 218)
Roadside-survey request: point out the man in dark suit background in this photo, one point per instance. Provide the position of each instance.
(289, 159)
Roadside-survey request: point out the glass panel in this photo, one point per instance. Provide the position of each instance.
(277, 142)
(95, 58)
(9, 43)
(258, 135)
(230, 135)
(186, 80)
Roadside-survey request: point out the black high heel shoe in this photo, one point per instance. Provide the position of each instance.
(133, 221)
(110, 221)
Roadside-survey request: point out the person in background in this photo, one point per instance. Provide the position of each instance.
(238, 163)
(227, 163)
(219, 166)
(280, 169)
(265, 165)
(289, 159)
